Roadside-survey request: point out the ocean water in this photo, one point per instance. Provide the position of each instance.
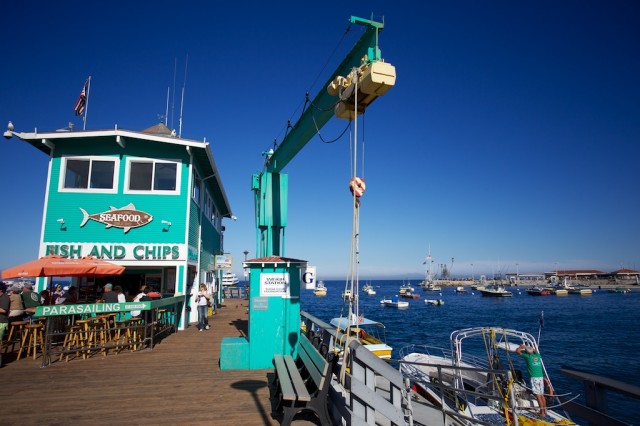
(598, 333)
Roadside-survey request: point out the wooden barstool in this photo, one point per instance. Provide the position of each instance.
(133, 335)
(73, 339)
(98, 327)
(87, 336)
(32, 337)
(18, 328)
(162, 317)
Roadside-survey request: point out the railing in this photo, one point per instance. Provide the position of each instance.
(371, 388)
(595, 412)
(158, 318)
(234, 292)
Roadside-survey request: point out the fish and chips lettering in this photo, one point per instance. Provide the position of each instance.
(116, 251)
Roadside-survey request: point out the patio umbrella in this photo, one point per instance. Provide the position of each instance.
(56, 266)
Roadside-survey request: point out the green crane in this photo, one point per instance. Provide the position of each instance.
(360, 79)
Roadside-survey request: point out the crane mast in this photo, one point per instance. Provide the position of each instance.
(362, 75)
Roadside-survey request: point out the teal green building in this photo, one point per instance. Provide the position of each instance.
(147, 200)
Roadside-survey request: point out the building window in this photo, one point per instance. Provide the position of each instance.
(197, 183)
(148, 175)
(207, 206)
(88, 174)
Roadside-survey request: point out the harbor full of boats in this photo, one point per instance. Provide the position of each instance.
(591, 320)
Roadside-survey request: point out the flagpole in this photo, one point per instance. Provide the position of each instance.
(86, 105)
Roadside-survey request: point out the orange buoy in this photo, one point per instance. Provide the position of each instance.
(357, 186)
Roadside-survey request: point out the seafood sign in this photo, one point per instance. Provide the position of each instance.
(126, 217)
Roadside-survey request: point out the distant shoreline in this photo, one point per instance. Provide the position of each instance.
(530, 283)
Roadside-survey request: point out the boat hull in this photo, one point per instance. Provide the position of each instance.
(491, 293)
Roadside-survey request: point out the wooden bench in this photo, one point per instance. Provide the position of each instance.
(305, 385)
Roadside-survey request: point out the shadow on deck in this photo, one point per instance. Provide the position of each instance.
(177, 382)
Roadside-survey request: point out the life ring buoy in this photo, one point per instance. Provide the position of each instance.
(357, 186)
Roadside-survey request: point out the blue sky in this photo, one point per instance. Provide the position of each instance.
(511, 136)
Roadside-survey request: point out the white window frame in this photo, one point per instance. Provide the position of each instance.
(153, 161)
(90, 158)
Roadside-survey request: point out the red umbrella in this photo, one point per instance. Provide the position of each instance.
(56, 266)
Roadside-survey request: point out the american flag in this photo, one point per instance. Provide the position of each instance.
(82, 99)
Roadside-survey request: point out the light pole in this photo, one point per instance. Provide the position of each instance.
(473, 279)
(517, 274)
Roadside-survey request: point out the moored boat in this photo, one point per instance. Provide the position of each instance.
(619, 290)
(371, 334)
(431, 286)
(320, 290)
(410, 295)
(580, 290)
(538, 291)
(368, 289)
(496, 290)
(558, 291)
(395, 302)
(461, 290)
(486, 386)
(404, 288)
(434, 302)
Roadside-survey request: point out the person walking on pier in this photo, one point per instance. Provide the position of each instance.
(202, 302)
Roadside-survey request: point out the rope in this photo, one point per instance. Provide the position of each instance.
(505, 404)
(353, 277)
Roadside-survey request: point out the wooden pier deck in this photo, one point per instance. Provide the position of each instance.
(177, 382)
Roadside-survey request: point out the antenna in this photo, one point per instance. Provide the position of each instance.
(166, 113)
(186, 63)
(173, 104)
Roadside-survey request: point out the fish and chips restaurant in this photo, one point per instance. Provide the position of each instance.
(146, 200)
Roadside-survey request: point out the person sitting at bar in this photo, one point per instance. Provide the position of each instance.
(71, 295)
(138, 297)
(108, 295)
(121, 297)
(45, 298)
(16, 310)
(30, 299)
(58, 292)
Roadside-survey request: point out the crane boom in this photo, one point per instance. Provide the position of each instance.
(363, 66)
(315, 118)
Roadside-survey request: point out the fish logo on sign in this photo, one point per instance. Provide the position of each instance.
(126, 217)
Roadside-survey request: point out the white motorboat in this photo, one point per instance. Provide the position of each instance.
(461, 290)
(368, 289)
(434, 302)
(487, 386)
(320, 290)
(395, 302)
(431, 286)
(405, 288)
